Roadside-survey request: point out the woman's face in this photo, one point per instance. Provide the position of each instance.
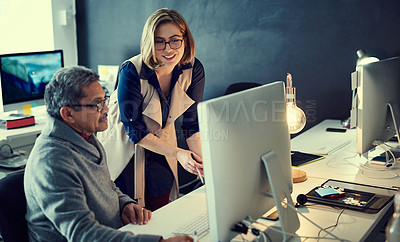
(169, 32)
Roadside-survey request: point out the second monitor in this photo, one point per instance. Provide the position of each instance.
(376, 112)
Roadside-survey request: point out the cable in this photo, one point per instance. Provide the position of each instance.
(388, 164)
(309, 220)
(291, 234)
(334, 163)
(243, 227)
(189, 183)
(377, 177)
(385, 147)
(243, 239)
(332, 226)
(362, 166)
(9, 147)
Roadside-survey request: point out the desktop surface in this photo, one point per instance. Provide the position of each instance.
(22, 139)
(40, 120)
(352, 225)
(170, 218)
(341, 160)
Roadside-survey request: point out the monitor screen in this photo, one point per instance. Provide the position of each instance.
(24, 77)
(236, 131)
(378, 85)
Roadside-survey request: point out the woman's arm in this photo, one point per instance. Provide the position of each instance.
(190, 119)
(155, 144)
(194, 145)
(130, 101)
(190, 124)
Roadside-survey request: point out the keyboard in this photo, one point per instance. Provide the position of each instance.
(197, 226)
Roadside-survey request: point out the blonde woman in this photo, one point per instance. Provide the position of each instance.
(162, 83)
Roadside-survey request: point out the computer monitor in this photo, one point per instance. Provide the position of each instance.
(23, 77)
(236, 131)
(376, 103)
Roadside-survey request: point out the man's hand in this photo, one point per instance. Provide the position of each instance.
(135, 214)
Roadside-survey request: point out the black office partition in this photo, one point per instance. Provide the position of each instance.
(257, 41)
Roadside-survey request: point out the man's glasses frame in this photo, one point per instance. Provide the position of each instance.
(99, 106)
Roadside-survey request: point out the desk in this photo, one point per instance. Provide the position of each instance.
(21, 138)
(8, 134)
(340, 163)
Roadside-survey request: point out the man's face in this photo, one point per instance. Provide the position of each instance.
(89, 120)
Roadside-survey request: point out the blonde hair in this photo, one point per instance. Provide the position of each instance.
(158, 18)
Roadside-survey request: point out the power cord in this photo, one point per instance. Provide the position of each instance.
(389, 163)
(244, 225)
(332, 226)
(386, 167)
(189, 183)
(250, 221)
(9, 147)
(309, 220)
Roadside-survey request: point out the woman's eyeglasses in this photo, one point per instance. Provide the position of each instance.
(160, 44)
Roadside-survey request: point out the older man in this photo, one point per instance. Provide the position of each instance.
(70, 196)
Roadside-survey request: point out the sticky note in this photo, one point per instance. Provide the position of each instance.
(27, 109)
(323, 192)
(103, 70)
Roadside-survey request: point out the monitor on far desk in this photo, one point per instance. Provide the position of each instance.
(376, 112)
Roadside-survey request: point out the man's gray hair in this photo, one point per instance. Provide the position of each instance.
(65, 88)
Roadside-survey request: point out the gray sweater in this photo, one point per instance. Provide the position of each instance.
(69, 193)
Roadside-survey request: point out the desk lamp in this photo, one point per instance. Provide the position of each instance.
(296, 121)
(364, 59)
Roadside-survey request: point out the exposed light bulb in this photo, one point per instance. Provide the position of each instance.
(296, 118)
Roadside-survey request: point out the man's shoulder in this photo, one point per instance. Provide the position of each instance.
(50, 147)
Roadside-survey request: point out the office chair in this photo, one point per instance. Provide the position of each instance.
(240, 86)
(13, 226)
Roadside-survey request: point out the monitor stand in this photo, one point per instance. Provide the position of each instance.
(288, 218)
(392, 121)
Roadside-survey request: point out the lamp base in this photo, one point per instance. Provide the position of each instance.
(298, 175)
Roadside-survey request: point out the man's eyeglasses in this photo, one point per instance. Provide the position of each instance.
(99, 106)
(160, 44)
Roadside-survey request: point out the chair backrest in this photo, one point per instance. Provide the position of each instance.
(13, 226)
(240, 86)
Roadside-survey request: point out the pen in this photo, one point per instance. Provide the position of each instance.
(197, 169)
(201, 178)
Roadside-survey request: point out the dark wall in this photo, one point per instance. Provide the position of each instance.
(257, 41)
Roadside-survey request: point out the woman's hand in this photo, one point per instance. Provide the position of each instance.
(135, 214)
(190, 161)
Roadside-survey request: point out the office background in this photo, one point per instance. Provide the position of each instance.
(256, 41)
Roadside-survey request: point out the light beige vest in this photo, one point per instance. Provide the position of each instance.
(120, 149)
